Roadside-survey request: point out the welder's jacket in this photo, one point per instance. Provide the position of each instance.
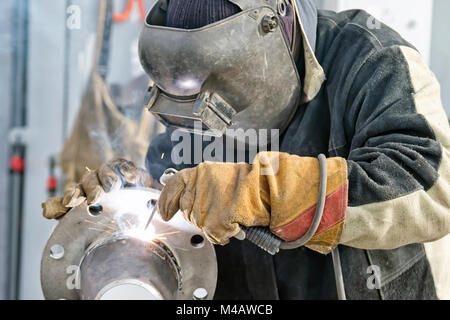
(371, 99)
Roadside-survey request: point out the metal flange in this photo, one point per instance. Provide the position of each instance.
(95, 252)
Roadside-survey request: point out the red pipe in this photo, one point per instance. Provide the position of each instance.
(125, 15)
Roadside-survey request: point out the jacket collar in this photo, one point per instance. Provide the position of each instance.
(306, 12)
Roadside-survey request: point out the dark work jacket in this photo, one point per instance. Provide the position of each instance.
(364, 112)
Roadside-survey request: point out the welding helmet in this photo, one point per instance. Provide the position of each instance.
(238, 72)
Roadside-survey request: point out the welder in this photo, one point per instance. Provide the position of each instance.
(329, 83)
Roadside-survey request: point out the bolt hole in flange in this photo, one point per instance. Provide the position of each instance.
(151, 203)
(56, 251)
(197, 241)
(95, 210)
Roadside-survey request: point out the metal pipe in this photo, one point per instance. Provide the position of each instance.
(18, 148)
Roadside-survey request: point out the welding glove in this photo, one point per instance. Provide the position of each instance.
(110, 176)
(278, 190)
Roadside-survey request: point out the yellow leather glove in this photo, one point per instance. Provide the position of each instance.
(115, 174)
(279, 191)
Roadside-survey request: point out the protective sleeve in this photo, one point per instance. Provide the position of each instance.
(398, 165)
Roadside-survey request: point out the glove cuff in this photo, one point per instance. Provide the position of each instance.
(329, 231)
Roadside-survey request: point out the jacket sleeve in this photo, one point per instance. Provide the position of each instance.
(398, 165)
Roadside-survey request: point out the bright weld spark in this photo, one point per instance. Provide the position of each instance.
(112, 227)
(167, 233)
(182, 249)
(102, 230)
(132, 216)
(130, 226)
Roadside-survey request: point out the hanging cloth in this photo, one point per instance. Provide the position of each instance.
(101, 132)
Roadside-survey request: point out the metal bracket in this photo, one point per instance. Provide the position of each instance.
(214, 111)
(151, 96)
